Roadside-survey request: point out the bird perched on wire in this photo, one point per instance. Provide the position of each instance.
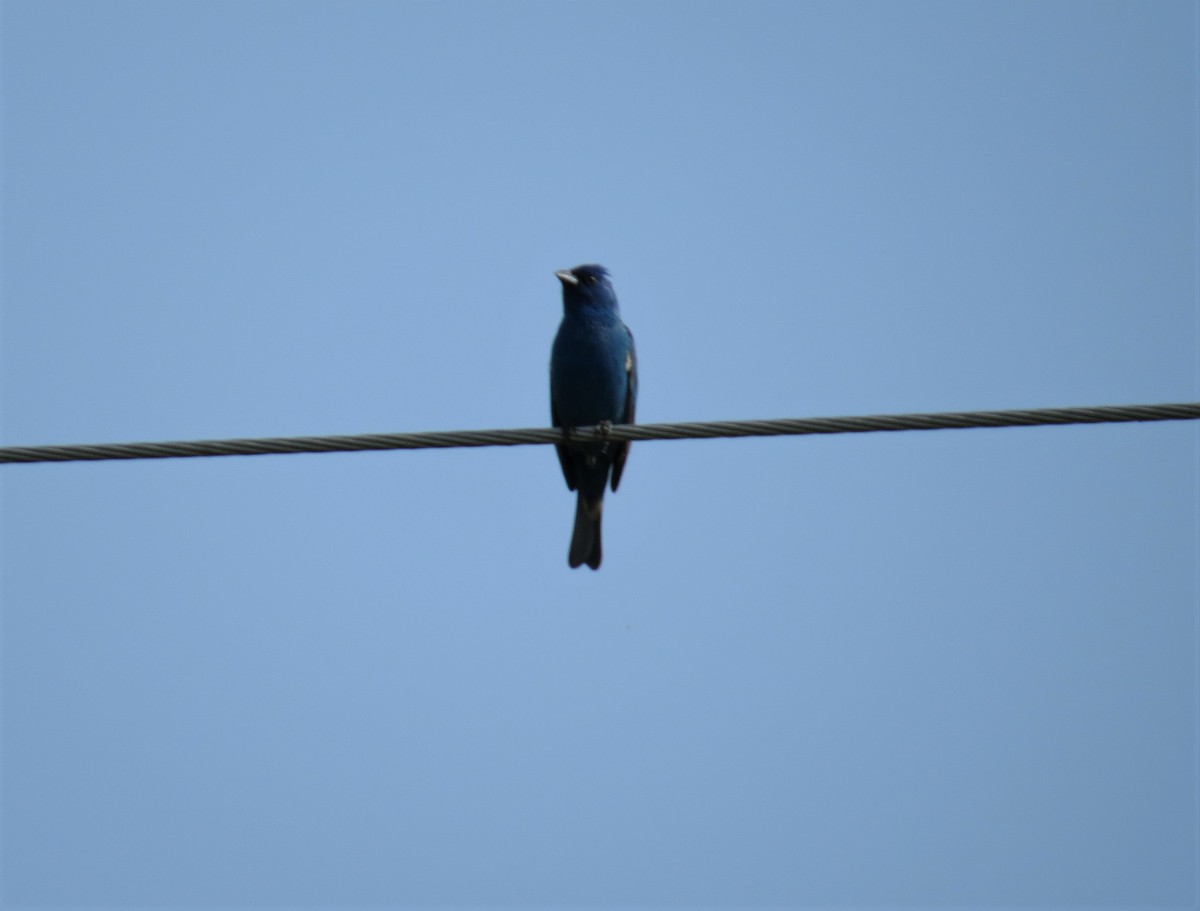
(593, 380)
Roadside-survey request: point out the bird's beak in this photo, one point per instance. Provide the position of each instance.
(566, 277)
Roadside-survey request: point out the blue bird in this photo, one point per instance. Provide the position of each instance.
(593, 379)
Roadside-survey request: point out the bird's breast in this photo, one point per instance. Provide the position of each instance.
(588, 376)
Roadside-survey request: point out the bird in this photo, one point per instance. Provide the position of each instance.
(593, 380)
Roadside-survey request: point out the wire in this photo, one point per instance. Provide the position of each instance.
(1107, 414)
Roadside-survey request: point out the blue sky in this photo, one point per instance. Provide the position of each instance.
(954, 668)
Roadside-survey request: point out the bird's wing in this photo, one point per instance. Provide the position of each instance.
(621, 452)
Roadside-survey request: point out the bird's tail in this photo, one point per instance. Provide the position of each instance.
(585, 542)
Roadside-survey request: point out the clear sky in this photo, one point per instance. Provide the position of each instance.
(955, 668)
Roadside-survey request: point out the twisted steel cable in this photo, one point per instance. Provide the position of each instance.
(1104, 414)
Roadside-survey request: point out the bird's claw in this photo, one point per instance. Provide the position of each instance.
(604, 431)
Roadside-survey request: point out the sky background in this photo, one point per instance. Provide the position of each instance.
(952, 668)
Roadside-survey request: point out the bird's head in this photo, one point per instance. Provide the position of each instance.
(587, 286)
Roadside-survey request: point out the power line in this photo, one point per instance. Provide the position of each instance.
(1106, 414)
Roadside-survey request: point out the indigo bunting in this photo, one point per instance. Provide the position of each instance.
(593, 379)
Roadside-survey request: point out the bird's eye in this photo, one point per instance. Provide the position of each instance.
(591, 279)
